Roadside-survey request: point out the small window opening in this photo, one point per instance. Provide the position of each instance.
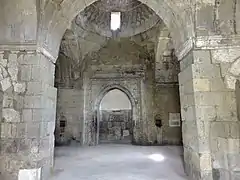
(62, 124)
(115, 20)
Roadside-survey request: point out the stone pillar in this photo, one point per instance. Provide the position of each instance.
(197, 106)
(208, 111)
(148, 127)
(28, 115)
(225, 131)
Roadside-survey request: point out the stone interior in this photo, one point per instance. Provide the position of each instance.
(115, 118)
(177, 61)
(115, 127)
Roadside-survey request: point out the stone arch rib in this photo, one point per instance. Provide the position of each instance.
(176, 17)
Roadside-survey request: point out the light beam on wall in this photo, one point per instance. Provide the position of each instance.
(115, 20)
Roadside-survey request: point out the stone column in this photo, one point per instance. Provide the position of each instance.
(196, 97)
(208, 111)
(225, 131)
(28, 115)
(148, 127)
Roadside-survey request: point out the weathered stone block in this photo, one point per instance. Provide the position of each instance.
(117, 132)
(188, 87)
(202, 56)
(211, 98)
(206, 113)
(234, 130)
(6, 130)
(37, 71)
(185, 75)
(233, 162)
(234, 69)
(12, 59)
(27, 115)
(33, 129)
(126, 133)
(225, 55)
(205, 162)
(33, 102)
(19, 87)
(201, 85)
(35, 88)
(6, 84)
(187, 100)
(25, 73)
(205, 71)
(219, 160)
(188, 113)
(11, 115)
(29, 174)
(230, 81)
(220, 129)
(29, 59)
(38, 114)
(44, 132)
(13, 72)
(217, 84)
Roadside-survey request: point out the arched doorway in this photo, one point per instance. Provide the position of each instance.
(115, 118)
(115, 105)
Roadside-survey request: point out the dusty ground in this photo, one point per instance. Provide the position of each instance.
(119, 162)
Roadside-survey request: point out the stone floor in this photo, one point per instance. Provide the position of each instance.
(119, 162)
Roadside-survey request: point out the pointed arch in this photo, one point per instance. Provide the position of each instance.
(58, 16)
(111, 87)
(115, 99)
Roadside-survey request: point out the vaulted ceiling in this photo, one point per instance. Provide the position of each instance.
(90, 30)
(136, 17)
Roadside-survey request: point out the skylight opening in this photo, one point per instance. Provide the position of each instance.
(115, 20)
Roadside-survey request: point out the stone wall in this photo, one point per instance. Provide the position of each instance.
(200, 30)
(211, 108)
(119, 65)
(95, 91)
(167, 98)
(28, 114)
(69, 119)
(126, 63)
(115, 126)
(167, 102)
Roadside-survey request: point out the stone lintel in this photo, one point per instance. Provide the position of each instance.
(27, 47)
(208, 42)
